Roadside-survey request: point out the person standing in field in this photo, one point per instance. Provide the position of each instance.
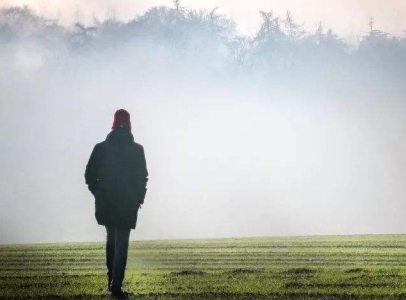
(117, 175)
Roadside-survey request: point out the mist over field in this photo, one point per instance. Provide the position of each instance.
(283, 132)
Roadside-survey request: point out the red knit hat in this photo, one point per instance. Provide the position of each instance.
(121, 118)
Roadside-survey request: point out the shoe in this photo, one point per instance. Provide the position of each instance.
(119, 294)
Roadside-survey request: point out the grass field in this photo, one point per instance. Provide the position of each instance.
(335, 267)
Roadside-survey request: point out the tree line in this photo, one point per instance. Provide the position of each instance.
(280, 51)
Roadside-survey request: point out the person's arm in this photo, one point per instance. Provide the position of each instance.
(91, 173)
(143, 176)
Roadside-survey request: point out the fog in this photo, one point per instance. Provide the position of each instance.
(349, 18)
(243, 135)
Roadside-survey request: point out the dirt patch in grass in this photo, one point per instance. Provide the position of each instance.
(389, 276)
(356, 270)
(301, 285)
(300, 271)
(187, 272)
(244, 271)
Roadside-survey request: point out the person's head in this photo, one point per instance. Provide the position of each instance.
(121, 119)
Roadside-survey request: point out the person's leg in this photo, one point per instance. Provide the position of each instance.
(110, 251)
(120, 258)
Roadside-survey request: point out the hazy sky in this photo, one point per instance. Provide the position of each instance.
(347, 17)
(226, 158)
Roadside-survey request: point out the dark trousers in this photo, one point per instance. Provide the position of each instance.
(116, 255)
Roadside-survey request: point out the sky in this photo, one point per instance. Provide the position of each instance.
(226, 158)
(349, 18)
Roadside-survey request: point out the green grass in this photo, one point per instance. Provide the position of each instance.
(333, 267)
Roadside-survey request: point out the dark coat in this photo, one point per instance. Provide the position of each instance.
(117, 175)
